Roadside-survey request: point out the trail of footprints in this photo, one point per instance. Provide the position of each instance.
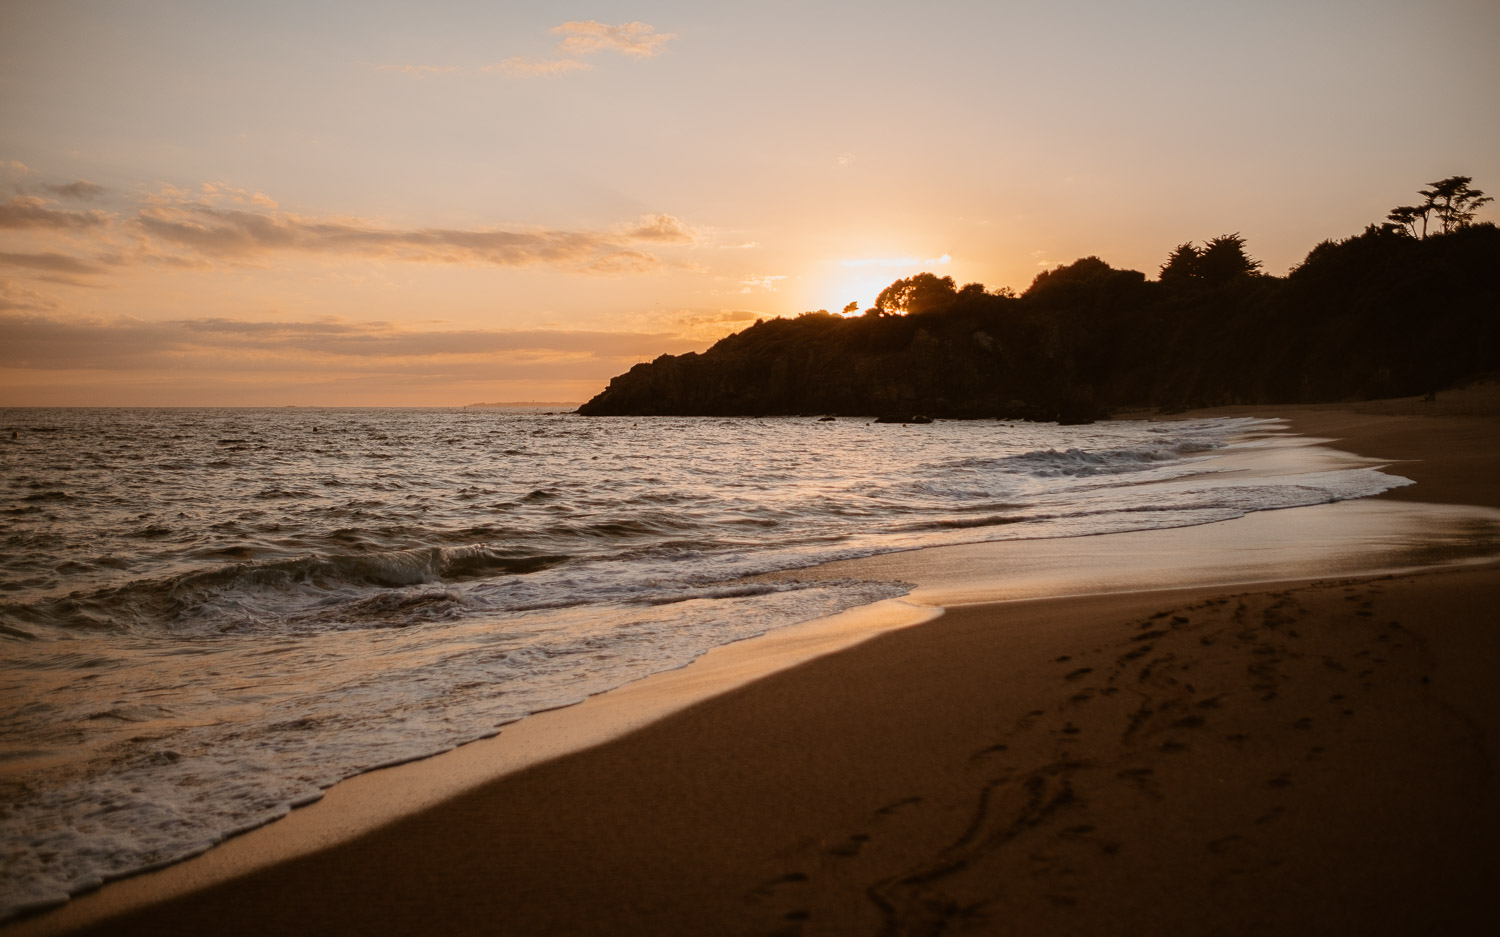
(1033, 814)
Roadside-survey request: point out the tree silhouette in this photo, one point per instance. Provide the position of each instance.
(1454, 201)
(1218, 262)
(1181, 267)
(916, 295)
(1407, 217)
(1224, 259)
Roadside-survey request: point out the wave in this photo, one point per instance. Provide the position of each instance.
(263, 595)
(1050, 463)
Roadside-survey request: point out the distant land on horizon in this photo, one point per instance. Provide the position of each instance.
(525, 403)
(1407, 307)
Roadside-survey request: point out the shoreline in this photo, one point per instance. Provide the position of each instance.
(1448, 478)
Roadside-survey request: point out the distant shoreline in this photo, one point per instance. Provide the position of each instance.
(524, 403)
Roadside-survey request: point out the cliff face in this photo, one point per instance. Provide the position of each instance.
(1381, 314)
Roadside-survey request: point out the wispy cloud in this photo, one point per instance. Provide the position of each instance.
(40, 340)
(527, 67)
(898, 261)
(715, 324)
(222, 224)
(21, 179)
(235, 234)
(15, 296)
(767, 282)
(580, 38)
(585, 37)
(82, 189)
(30, 211)
(50, 262)
(663, 229)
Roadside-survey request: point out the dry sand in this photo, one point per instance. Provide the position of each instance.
(1301, 757)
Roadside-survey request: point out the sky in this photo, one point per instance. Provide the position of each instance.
(397, 204)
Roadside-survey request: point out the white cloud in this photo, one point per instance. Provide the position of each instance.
(585, 37)
(663, 229)
(767, 282)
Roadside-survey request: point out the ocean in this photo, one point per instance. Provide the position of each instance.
(208, 616)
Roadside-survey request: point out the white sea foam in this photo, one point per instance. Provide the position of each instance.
(208, 616)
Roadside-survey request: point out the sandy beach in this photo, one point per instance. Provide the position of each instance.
(1312, 755)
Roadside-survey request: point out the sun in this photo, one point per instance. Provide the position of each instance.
(859, 286)
(861, 280)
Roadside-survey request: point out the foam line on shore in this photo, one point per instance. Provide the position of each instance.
(368, 801)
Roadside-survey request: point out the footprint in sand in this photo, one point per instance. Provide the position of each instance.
(767, 890)
(1141, 651)
(889, 809)
(850, 847)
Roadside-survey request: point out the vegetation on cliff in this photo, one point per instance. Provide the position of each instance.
(1397, 310)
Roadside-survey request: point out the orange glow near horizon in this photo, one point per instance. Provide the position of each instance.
(180, 222)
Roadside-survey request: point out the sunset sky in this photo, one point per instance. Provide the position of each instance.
(450, 202)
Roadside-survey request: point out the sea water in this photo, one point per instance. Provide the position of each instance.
(207, 616)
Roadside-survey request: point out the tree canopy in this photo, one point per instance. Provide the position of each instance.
(1452, 201)
(1217, 263)
(917, 295)
(1388, 312)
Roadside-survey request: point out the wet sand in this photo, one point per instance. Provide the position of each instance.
(1303, 756)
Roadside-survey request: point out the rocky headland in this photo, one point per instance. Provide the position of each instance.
(1385, 313)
